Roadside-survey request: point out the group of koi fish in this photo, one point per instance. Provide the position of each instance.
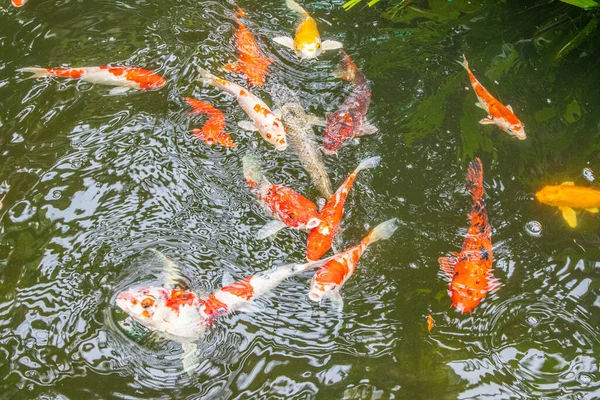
(183, 314)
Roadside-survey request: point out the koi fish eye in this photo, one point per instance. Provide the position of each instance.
(318, 45)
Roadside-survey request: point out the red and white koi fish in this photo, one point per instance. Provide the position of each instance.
(18, 3)
(124, 78)
(330, 278)
(307, 42)
(321, 237)
(498, 114)
(263, 119)
(251, 62)
(349, 120)
(213, 130)
(289, 207)
(470, 272)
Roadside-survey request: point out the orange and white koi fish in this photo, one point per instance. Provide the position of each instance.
(263, 119)
(470, 271)
(289, 207)
(321, 237)
(213, 130)
(251, 62)
(498, 114)
(307, 42)
(124, 78)
(567, 196)
(18, 3)
(330, 278)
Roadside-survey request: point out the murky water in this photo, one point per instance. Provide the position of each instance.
(91, 180)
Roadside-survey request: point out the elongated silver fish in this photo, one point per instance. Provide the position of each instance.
(301, 137)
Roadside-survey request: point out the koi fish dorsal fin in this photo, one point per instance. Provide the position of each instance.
(447, 264)
(569, 215)
(568, 183)
(171, 271)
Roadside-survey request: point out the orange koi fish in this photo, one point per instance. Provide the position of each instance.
(470, 272)
(124, 78)
(250, 62)
(289, 207)
(498, 114)
(307, 42)
(567, 196)
(330, 278)
(430, 322)
(18, 3)
(213, 130)
(321, 237)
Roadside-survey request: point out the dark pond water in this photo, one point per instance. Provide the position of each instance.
(91, 180)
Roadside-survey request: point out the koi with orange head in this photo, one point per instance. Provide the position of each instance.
(213, 130)
(250, 62)
(568, 197)
(470, 271)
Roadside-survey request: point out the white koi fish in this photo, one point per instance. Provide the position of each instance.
(263, 119)
(307, 42)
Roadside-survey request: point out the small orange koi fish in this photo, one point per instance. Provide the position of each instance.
(567, 196)
(430, 322)
(498, 114)
(250, 62)
(470, 272)
(124, 78)
(213, 130)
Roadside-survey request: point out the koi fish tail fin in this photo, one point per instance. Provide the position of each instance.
(238, 13)
(206, 77)
(37, 72)
(347, 70)
(464, 62)
(367, 163)
(292, 5)
(252, 170)
(382, 231)
(475, 179)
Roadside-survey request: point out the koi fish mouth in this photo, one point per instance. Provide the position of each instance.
(314, 296)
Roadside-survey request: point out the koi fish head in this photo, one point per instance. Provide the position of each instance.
(144, 304)
(514, 129)
(319, 291)
(275, 134)
(339, 129)
(308, 50)
(550, 195)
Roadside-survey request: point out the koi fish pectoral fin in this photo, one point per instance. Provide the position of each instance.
(270, 229)
(227, 279)
(486, 121)
(367, 129)
(481, 105)
(247, 126)
(118, 90)
(593, 210)
(285, 41)
(569, 215)
(189, 357)
(447, 264)
(510, 108)
(277, 113)
(331, 45)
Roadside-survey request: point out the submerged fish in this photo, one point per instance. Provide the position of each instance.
(18, 3)
(250, 62)
(263, 120)
(307, 42)
(430, 322)
(289, 207)
(470, 271)
(321, 237)
(302, 139)
(330, 278)
(567, 196)
(213, 130)
(349, 120)
(124, 78)
(502, 116)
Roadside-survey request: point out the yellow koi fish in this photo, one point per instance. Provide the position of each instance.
(307, 42)
(567, 196)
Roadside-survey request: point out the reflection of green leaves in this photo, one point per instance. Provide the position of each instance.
(474, 141)
(573, 112)
(438, 11)
(586, 32)
(546, 113)
(351, 3)
(585, 4)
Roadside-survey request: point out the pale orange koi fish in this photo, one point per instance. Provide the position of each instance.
(250, 62)
(124, 78)
(213, 130)
(567, 196)
(498, 114)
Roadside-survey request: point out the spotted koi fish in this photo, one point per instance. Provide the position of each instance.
(470, 271)
(498, 114)
(321, 237)
(289, 207)
(263, 119)
(18, 3)
(307, 42)
(213, 130)
(330, 278)
(349, 120)
(568, 197)
(250, 62)
(125, 78)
